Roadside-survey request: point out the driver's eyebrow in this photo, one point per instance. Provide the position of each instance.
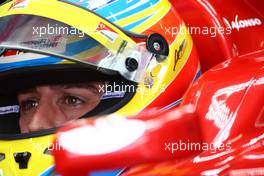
(89, 86)
(27, 91)
(77, 85)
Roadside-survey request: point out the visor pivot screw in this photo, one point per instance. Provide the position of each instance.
(156, 46)
(131, 64)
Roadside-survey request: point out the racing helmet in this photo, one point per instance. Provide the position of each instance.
(140, 49)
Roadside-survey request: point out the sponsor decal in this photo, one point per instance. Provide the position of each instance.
(19, 4)
(109, 95)
(9, 109)
(55, 43)
(179, 53)
(107, 32)
(243, 23)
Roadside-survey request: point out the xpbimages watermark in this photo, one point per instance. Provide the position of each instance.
(111, 89)
(56, 29)
(225, 29)
(180, 145)
(47, 147)
(196, 30)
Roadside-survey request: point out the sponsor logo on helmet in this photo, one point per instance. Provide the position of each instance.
(241, 24)
(19, 4)
(9, 109)
(179, 53)
(106, 31)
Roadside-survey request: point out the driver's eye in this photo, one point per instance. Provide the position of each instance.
(73, 101)
(28, 105)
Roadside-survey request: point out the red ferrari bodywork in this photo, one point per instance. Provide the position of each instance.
(229, 101)
(220, 122)
(244, 17)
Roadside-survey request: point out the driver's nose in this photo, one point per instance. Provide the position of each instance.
(47, 114)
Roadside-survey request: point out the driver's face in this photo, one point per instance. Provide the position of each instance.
(48, 106)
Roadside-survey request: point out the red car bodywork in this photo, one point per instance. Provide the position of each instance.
(229, 101)
(246, 18)
(223, 111)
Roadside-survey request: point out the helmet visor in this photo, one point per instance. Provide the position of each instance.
(47, 36)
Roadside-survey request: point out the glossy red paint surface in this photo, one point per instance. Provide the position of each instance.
(230, 90)
(152, 145)
(245, 17)
(229, 100)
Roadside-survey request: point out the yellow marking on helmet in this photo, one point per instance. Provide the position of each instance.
(66, 62)
(156, 70)
(166, 75)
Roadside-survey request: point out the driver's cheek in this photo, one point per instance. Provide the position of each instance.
(44, 116)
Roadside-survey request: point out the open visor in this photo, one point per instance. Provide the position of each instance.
(47, 36)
